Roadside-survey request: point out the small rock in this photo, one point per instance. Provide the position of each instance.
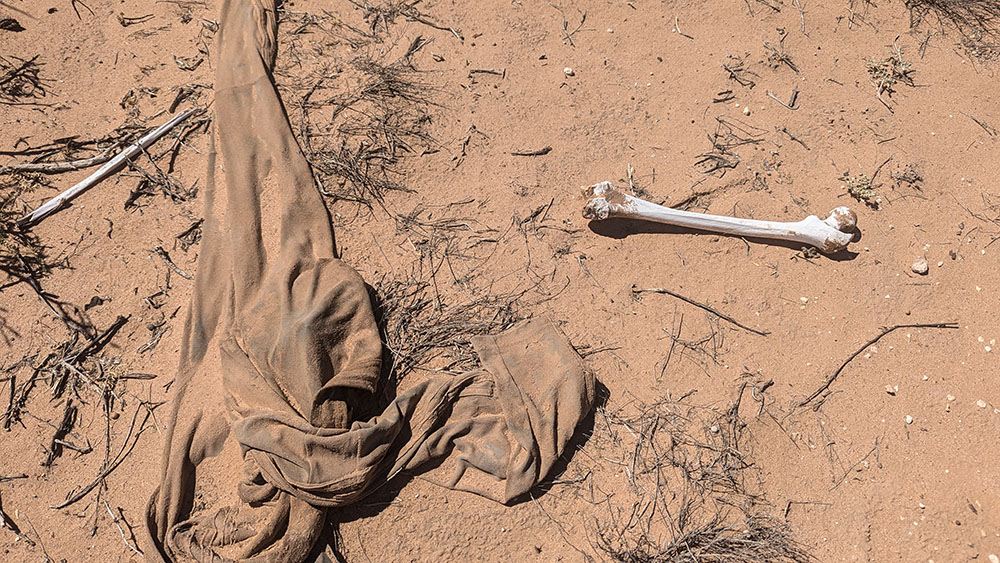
(746, 110)
(908, 419)
(920, 267)
(950, 397)
(714, 429)
(993, 558)
(890, 390)
(981, 404)
(569, 71)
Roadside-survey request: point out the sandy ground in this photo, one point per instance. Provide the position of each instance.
(897, 462)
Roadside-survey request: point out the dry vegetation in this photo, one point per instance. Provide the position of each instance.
(691, 483)
(359, 107)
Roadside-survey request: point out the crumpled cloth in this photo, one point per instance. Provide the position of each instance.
(280, 344)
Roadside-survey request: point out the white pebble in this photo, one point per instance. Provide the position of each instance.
(746, 110)
(981, 404)
(993, 558)
(920, 267)
(568, 71)
(908, 419)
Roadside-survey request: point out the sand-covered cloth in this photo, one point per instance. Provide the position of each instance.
(280, 342)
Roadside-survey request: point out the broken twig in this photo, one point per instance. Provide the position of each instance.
(539, 152)
(700, 306)
(885, 331)
(60, 201)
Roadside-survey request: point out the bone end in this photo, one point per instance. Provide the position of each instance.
(597, 190)
(842, 219)
(835, 244)
(604, 201)
(597, 209)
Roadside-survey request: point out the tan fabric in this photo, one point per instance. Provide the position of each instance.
(280, 341)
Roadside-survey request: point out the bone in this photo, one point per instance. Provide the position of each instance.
(830, 235)
(116, 162)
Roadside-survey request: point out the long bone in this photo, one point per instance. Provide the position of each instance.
(830, 235)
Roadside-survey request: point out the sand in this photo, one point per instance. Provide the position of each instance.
(897, 463)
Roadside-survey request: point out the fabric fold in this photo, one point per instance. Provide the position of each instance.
(280, 342)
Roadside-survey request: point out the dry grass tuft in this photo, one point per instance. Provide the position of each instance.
(689, 498)
(357, 102)
(419, 325)
(887, 72)
(20, 81)
(977, 19)
(22, 255)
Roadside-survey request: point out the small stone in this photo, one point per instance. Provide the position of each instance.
(714, 429)
(920, 267)
(568, 71)
(804, 299)
(993, 558)
(908, 419)
(950, 397)
(890, 390)
(981, 404)
(746, 110)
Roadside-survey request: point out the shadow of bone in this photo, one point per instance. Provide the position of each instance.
(619, 228)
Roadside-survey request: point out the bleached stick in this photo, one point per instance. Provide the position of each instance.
(829, 235)
(111, 166)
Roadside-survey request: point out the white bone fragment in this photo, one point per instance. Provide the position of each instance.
(830, 235)
(60, 201)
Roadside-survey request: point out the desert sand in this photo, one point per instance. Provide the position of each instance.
(451, 141)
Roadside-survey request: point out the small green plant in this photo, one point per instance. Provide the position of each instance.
(889, 71)
(860, 188)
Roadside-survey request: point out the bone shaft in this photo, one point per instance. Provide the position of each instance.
(58, 202)
(717, 223)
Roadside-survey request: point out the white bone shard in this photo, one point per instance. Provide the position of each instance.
(830, 235)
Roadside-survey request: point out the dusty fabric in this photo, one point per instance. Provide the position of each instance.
(280, 341)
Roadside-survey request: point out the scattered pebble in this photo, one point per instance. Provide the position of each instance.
(568, 71)
(981, 404)
(714, 429)
(908, 419)
(746, 110)
(951, 397)
(804, 299)
(892, 390)
(993, 558)
(920, 267)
